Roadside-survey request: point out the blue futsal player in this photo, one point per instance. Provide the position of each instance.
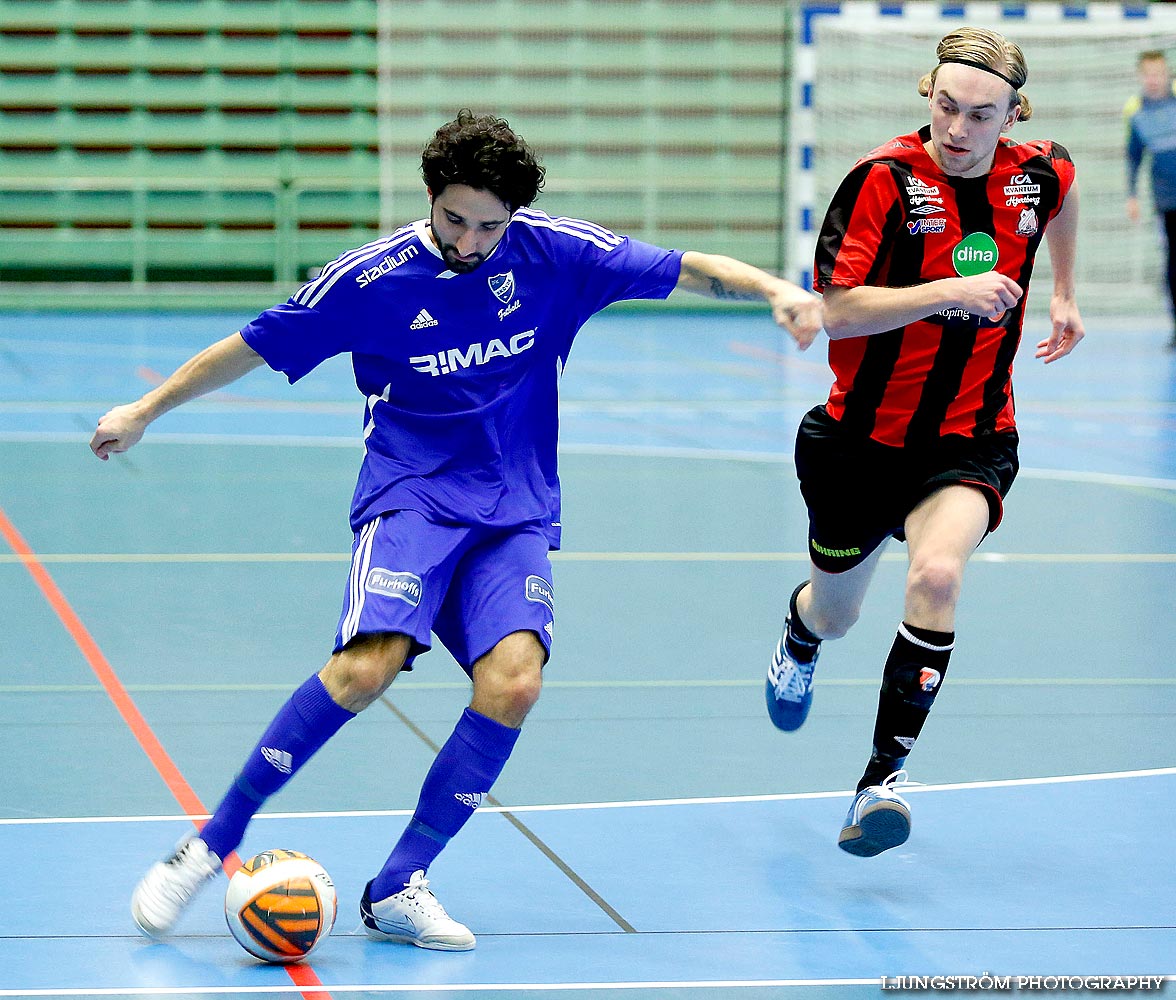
(459, 327)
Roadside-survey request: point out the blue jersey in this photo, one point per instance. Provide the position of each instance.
(461, 371)
(1151, 128)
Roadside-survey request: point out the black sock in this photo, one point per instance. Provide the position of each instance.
(911, 679)
(801, 643)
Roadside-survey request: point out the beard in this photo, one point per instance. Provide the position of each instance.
(454, 262)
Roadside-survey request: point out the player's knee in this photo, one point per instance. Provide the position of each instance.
(357, 675)
(509, 679)
(507, 699)
(934, 583)
(521, 691)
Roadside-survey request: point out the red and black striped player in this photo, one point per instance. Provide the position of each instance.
(924, 260)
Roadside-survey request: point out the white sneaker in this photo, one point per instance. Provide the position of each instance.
(167, 887)
(879, 819)
(414, 916)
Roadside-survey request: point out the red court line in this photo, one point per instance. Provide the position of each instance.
(167, 769)
(177, 784)
(776, 357)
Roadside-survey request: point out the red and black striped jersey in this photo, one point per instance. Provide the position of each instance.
(898, 220)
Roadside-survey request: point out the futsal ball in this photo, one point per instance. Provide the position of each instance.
(280, 905)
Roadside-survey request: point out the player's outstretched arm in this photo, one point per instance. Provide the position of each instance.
(864, 310)
(216, 366)
(797, 311)
(1066, 327)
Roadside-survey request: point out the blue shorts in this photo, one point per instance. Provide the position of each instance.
(470, 586)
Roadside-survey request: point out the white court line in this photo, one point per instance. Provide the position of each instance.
(1155, 772)
(167, 558)
(594, 685)
(285, 440)
(623, 451)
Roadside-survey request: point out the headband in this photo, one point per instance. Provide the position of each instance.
(979, 65)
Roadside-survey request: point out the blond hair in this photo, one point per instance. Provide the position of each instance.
(984, 49)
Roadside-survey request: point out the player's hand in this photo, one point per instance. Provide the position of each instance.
(989, 295)
(118, 430)
(799, 312)
(1066, 330)
(1133, 209)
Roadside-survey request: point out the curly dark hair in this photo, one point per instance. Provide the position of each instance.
(485, 153)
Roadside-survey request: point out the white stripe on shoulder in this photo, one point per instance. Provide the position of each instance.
(586, 231)
(588, 227)
(348, 262)
(578, 225)
(342, 260)
(311, 293)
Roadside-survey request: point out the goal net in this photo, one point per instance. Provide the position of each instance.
(856, 85)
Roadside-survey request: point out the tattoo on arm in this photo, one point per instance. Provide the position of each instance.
(718, 289)
(721, 291)
(720, 277)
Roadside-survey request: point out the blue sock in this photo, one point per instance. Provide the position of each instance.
(308, 719)
(465, 769)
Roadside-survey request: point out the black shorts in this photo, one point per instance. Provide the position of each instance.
(859, 492)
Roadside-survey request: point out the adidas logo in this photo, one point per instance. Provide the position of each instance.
(281, 759)
(471, 799)
(423, 320)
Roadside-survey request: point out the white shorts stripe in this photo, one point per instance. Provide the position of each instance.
(359, 568)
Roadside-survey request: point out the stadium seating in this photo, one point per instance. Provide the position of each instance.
(151, 141)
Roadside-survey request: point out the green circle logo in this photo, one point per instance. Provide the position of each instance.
(976, 253)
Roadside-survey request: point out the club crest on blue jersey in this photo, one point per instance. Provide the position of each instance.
(503, 286)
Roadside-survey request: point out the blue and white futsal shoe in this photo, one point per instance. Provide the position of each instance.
(414, 916)
(789, 687)
(878, 819)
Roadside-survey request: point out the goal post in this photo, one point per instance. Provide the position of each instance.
(855, 85)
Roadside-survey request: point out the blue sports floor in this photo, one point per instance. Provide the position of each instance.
(653, 836)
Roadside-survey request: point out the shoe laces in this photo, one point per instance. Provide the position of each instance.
(187, 871)
(419, 893)
(792, 678)
(792, 683)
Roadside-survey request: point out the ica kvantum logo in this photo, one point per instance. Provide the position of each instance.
(976, 253)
